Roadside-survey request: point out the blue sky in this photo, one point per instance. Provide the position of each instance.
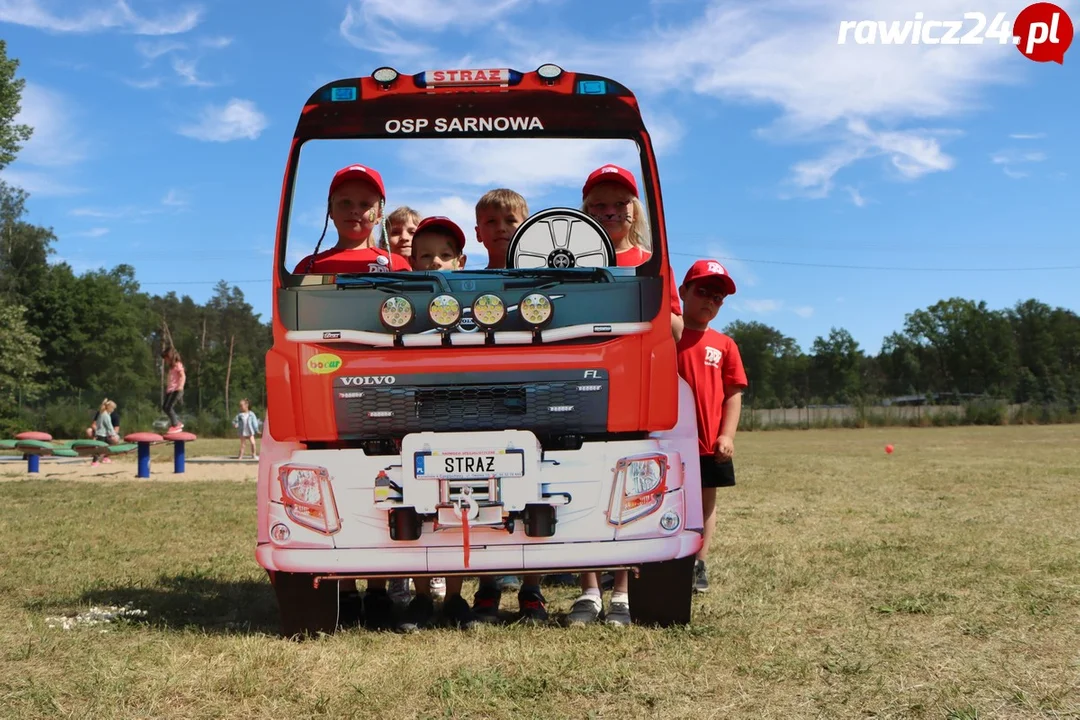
(842, 185)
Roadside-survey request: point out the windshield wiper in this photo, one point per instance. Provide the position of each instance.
(398, 280)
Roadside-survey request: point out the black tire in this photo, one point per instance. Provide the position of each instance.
(539, 520)
(662, 594)
(303, 609)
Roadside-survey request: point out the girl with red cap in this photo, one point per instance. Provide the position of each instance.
(355, 203)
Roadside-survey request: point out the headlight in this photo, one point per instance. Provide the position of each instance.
(445, 311)
(488, 310)
(396, 312)
(642, 476)
(638, 488)
(536, 309)
(309, 498)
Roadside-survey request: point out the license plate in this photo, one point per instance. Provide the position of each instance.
(469, 464)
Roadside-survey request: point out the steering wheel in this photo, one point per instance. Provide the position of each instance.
(560, 238)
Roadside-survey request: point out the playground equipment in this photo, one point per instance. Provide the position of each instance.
(145, 439)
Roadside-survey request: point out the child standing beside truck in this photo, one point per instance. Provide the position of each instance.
(710, 362)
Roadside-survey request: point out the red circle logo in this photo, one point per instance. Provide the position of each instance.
(1043, 32)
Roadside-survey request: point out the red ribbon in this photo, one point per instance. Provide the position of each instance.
(465, 533)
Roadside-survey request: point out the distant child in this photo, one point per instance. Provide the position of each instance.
(402, 223)
(355, 203)
(247, 423)
(174, 388)
(438, 244)
(710, 362)
(498, 214)
(104, 430)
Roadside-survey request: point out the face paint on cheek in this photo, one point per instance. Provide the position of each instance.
(371, 215)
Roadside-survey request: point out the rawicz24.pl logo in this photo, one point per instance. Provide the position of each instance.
(1042, 32)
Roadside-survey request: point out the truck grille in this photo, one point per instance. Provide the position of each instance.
(557, 406)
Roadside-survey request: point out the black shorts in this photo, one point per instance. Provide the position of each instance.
(715, 474)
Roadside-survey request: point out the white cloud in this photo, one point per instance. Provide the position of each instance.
(144, 84)
(217, 43)
(803, 311)
(92, 233)
(529, 166)
(117, 15)
(55, 141)
(153, 49)
(38, 183)
(174, 198)
(855, 100)
(762, 307)
(369, 25)
(1009, 159)
(236, 120)
(856, 197)
(1028, 136)
(188, 72)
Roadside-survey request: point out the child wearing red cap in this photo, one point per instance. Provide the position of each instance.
(438, 244)
(355, 202)
(610, 196)
(710, 362)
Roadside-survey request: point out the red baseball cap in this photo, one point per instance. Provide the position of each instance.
(610, 173)
(358, 172)
(442, 222)
(704, 269)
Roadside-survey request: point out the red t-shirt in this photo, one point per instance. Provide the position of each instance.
(636, 256)
(711, 363)
(356, 260)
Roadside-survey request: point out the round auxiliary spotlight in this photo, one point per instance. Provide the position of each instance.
(385, 75)
(488, 310)
(445, 311)
(536, 309)
(396, 312)
(549, 71)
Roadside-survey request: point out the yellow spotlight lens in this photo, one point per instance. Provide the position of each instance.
(488, 310)
(396, 312)
(445, 310)
(536, 309)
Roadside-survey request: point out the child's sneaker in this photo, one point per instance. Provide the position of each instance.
(532, 606)
(174, 429)
(701, 577)
(438, 587)
(106, 460)
(418, 615)
(586, 610)
(618, 613)
(486, 604)
(457, 612)
(95, 463)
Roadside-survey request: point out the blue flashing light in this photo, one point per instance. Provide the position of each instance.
(591, 87)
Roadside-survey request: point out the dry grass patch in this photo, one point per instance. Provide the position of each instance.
(942, 581)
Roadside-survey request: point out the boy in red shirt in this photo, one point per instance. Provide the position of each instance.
(355, 203)
(710, 362)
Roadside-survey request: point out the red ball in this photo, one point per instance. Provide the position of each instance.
(889, 449)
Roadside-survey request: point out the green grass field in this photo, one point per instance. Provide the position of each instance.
(942, 581)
